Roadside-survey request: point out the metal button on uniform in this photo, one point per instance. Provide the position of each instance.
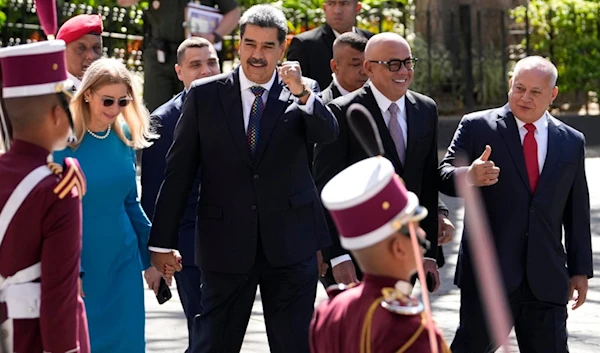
(526, 234)
(253, 207)
(531, 209)
(255, 176)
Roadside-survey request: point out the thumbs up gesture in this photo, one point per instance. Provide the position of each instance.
(483, 172)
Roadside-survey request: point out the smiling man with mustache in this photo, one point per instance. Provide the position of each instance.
(260, 222)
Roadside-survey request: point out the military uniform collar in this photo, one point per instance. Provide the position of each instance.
(31, 150)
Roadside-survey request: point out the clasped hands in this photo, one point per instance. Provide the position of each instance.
(166, 263)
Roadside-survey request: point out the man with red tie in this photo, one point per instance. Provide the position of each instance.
(40, 207)
(529, 168)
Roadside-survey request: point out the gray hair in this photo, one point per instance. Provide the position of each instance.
(265, 16)
(537, 63)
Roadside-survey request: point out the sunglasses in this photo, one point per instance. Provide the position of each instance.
(109, 101)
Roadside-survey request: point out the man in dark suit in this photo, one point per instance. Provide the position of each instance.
(347, 66)
(531, 176)
(260, 221)
(196, 58)
(314, 49)
(401, 115)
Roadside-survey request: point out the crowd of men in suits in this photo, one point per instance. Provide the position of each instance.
(233, 187)
(259, 219)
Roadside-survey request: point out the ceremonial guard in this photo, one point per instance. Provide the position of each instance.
(40, 207)
(373, 210)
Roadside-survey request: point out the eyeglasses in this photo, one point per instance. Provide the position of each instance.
(396, 64)
(109, 101)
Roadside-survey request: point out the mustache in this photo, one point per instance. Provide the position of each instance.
(253, 61)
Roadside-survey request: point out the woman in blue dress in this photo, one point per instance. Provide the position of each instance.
(110, 122)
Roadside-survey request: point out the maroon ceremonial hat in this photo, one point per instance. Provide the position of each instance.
(369, 202)
(46, 11)
(34, 69)
(78, 26)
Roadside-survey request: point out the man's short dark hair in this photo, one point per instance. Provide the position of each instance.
(354, 40)
(192, 42)
(265, 16)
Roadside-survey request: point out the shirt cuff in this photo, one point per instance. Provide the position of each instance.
(338, 260)
(309, 107)
(159, 250)
(430, 259)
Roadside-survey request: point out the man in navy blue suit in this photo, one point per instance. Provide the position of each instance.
(260, 222)
(196, 58)
(530, 170)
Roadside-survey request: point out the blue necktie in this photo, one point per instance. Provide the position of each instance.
(254, 124)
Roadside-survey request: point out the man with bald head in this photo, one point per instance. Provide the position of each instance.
(529, 168)
(407, 122)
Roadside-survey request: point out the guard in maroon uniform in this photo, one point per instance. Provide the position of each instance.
(40, 207)
(372, 210)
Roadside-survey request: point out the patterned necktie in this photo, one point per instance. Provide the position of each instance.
(530, 151)
(396, 132)
(254, 124)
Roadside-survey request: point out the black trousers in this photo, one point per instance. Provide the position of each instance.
(288, 295)
(188, 287)
(540, 327)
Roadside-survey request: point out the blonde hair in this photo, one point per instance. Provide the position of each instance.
(134, 117)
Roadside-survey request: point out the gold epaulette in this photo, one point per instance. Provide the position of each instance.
(71, 177)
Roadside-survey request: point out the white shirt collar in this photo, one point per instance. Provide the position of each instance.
(541, 124)
(384, 103)
(337, 34)
(245, 83)
(76, 81)
(342, 90)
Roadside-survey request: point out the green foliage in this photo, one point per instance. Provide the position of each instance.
(2, 14)
(567, 32)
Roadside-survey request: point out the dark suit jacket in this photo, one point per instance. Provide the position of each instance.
(526, 227)
(330, 93)
(153, 174)
(273, 198)
(420, 169)
(314, 49)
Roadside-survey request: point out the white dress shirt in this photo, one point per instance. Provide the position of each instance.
(76, 81)
(342, 90)
(337, 34)
(247, 101)
(541, 137)
(384, 103)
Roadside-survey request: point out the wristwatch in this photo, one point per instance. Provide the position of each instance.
(218, 38)
(303, 93)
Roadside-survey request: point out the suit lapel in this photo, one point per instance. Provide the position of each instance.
(555, 141)
(276, 105)
(335, 92)
(328, 39)
(508, 129)
(384, 132)
(231, 102)
(415, 126)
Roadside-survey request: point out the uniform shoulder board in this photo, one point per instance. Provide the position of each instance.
(336, 289)
(71, 176)
(397, 302)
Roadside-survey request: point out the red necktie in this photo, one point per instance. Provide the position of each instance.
(530, 150)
